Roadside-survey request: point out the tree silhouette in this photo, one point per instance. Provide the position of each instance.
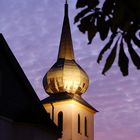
(117, 19)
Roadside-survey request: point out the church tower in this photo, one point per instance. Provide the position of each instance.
(65, 82)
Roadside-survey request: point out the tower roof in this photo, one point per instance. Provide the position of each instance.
(18, 100)
(66, 76)
(66, 45)
(63, 97)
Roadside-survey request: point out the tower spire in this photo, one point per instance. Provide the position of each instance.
(66, 46)
(66, 76)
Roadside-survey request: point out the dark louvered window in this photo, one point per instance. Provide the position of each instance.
(85, 126)
(60, 120)
(78, 123)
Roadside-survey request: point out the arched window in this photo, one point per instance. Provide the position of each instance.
(85, 126)
(60, 120)
(78, 123)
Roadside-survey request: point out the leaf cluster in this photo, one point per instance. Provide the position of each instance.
(118, 19)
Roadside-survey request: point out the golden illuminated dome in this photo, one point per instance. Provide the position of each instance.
(66, 76)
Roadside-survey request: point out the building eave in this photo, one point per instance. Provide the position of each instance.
(67, 96)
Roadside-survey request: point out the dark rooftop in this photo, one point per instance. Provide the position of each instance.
(18, 100)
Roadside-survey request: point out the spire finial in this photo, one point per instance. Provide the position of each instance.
(66, 2)
(66, 7)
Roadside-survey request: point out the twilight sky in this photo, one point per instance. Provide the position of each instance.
(32, 29)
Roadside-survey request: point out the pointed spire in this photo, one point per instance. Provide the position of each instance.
(66, 46)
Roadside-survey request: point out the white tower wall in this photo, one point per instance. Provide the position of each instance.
(71, 109)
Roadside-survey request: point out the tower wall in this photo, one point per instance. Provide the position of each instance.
(87, 113)
(66, 108)
(71, 109)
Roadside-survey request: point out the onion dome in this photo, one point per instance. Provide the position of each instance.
(66, 76)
